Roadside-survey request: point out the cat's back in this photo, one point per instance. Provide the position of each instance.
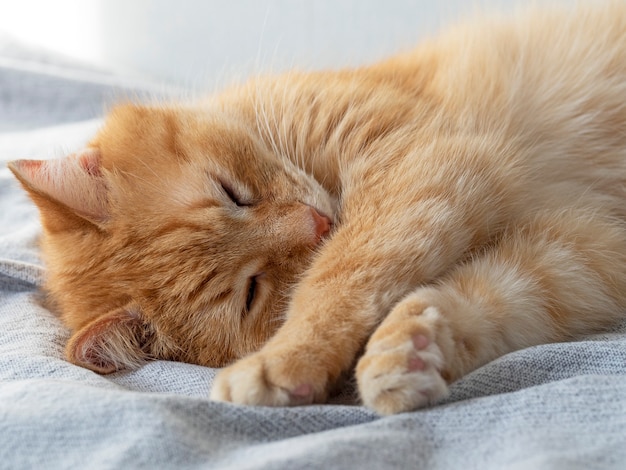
(538, 57)
(551, 81)
(538, 97)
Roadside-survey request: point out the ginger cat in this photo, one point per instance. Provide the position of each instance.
(422, 216)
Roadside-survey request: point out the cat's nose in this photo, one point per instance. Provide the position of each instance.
(321, 223)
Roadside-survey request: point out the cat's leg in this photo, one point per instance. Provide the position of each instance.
(390, 240)
(558, 276)
(353, 284)
(362, 271)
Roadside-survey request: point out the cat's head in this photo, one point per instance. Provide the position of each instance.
(176, 234)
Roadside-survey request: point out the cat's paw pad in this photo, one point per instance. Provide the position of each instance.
(401, 372)
(252, 381)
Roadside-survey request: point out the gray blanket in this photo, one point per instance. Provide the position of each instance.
(557, 406)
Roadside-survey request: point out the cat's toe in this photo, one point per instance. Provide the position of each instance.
(251, 382)
(397, 376)
(245, 383)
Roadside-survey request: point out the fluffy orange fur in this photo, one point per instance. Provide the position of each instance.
(418, 217)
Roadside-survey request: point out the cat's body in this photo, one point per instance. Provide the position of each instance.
(476, 189)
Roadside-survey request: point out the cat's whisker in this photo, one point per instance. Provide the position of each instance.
(260, 106)
(274, 131)
(284, 136)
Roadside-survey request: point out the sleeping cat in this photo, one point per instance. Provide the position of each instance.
(416, 218)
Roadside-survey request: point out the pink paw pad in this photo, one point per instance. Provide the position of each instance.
(420, 341)
(415, 363)
(302, 391)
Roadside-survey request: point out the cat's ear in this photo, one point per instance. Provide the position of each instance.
(114, 341)
(67, 190)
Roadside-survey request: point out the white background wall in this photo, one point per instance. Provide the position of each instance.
(196, 42)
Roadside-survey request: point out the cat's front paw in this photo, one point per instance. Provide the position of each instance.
(401, 368)
(269, 380)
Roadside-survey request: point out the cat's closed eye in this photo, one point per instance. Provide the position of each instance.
(233, 195)
(252, 288)
(254, 284)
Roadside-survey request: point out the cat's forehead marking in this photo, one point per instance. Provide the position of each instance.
(189, 191)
